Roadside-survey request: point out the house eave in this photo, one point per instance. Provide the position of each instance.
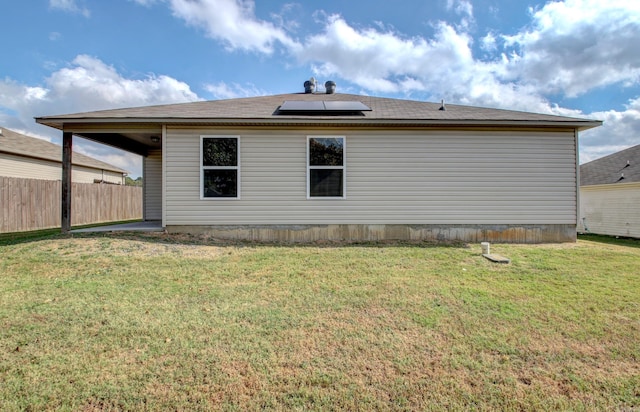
(69, 123)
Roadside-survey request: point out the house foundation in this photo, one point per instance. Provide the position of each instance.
(368, 233)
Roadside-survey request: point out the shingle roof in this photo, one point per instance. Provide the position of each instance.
(20, 144)
(619, 167)
(265, 108)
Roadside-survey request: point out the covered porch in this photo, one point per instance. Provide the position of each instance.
(145, 140)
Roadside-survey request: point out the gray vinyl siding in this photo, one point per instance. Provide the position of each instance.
(610, 209)
(392, 177)
(152, 175)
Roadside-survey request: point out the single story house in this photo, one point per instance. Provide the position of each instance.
(610, 194)
(28, 157)
(330, 166)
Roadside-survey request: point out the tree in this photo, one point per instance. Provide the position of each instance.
(130, 182)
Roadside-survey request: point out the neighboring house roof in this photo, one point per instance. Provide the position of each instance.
(27, 146)
(619, 167)
(264, 110)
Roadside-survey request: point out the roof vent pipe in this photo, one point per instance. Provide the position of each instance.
(443, 107)
(310, 85)
(330, 87)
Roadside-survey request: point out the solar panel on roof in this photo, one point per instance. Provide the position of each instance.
(323, 107)
(301, 106)
(349, 106)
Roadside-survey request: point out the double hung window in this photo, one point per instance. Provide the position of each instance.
(220, 167)
(326, 167)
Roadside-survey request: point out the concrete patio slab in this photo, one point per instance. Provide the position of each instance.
(148, 226)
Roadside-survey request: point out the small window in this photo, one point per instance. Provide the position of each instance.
(325, 167)
(220, 167)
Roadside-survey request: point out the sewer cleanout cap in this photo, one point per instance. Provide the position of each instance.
(486, 252)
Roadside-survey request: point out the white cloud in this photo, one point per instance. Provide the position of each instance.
(70, 6)
(620, 130)
(463, 8)
(578, 45)
(385, 61)
(87, 84)
(570, 48)
(223, 90)
(488, 43)
(90, 84)
(232, 21)
(281, 19)
(145, 2)
(443, 67)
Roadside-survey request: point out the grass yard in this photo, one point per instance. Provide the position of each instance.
(157, 322)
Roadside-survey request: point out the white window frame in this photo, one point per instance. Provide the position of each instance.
(203, 168)
(343, 168)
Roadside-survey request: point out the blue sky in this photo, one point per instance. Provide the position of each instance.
(574, 57)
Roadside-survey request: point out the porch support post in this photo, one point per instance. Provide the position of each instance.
(67, 148)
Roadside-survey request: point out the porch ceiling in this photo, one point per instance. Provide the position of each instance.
(135, 142)
(134, 138)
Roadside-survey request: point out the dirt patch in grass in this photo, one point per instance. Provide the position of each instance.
(109, 247)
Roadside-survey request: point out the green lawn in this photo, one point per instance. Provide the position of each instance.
(157, 322)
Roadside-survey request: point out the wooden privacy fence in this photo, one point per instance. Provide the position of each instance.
(29, 204)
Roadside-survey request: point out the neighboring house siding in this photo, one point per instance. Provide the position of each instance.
(152, 173)
(610, 209)
(420, 177)
(30, 168)
(87, 175)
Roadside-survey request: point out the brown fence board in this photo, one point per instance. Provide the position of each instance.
(30, 204)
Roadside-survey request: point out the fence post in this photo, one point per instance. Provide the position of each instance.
(67, 147)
